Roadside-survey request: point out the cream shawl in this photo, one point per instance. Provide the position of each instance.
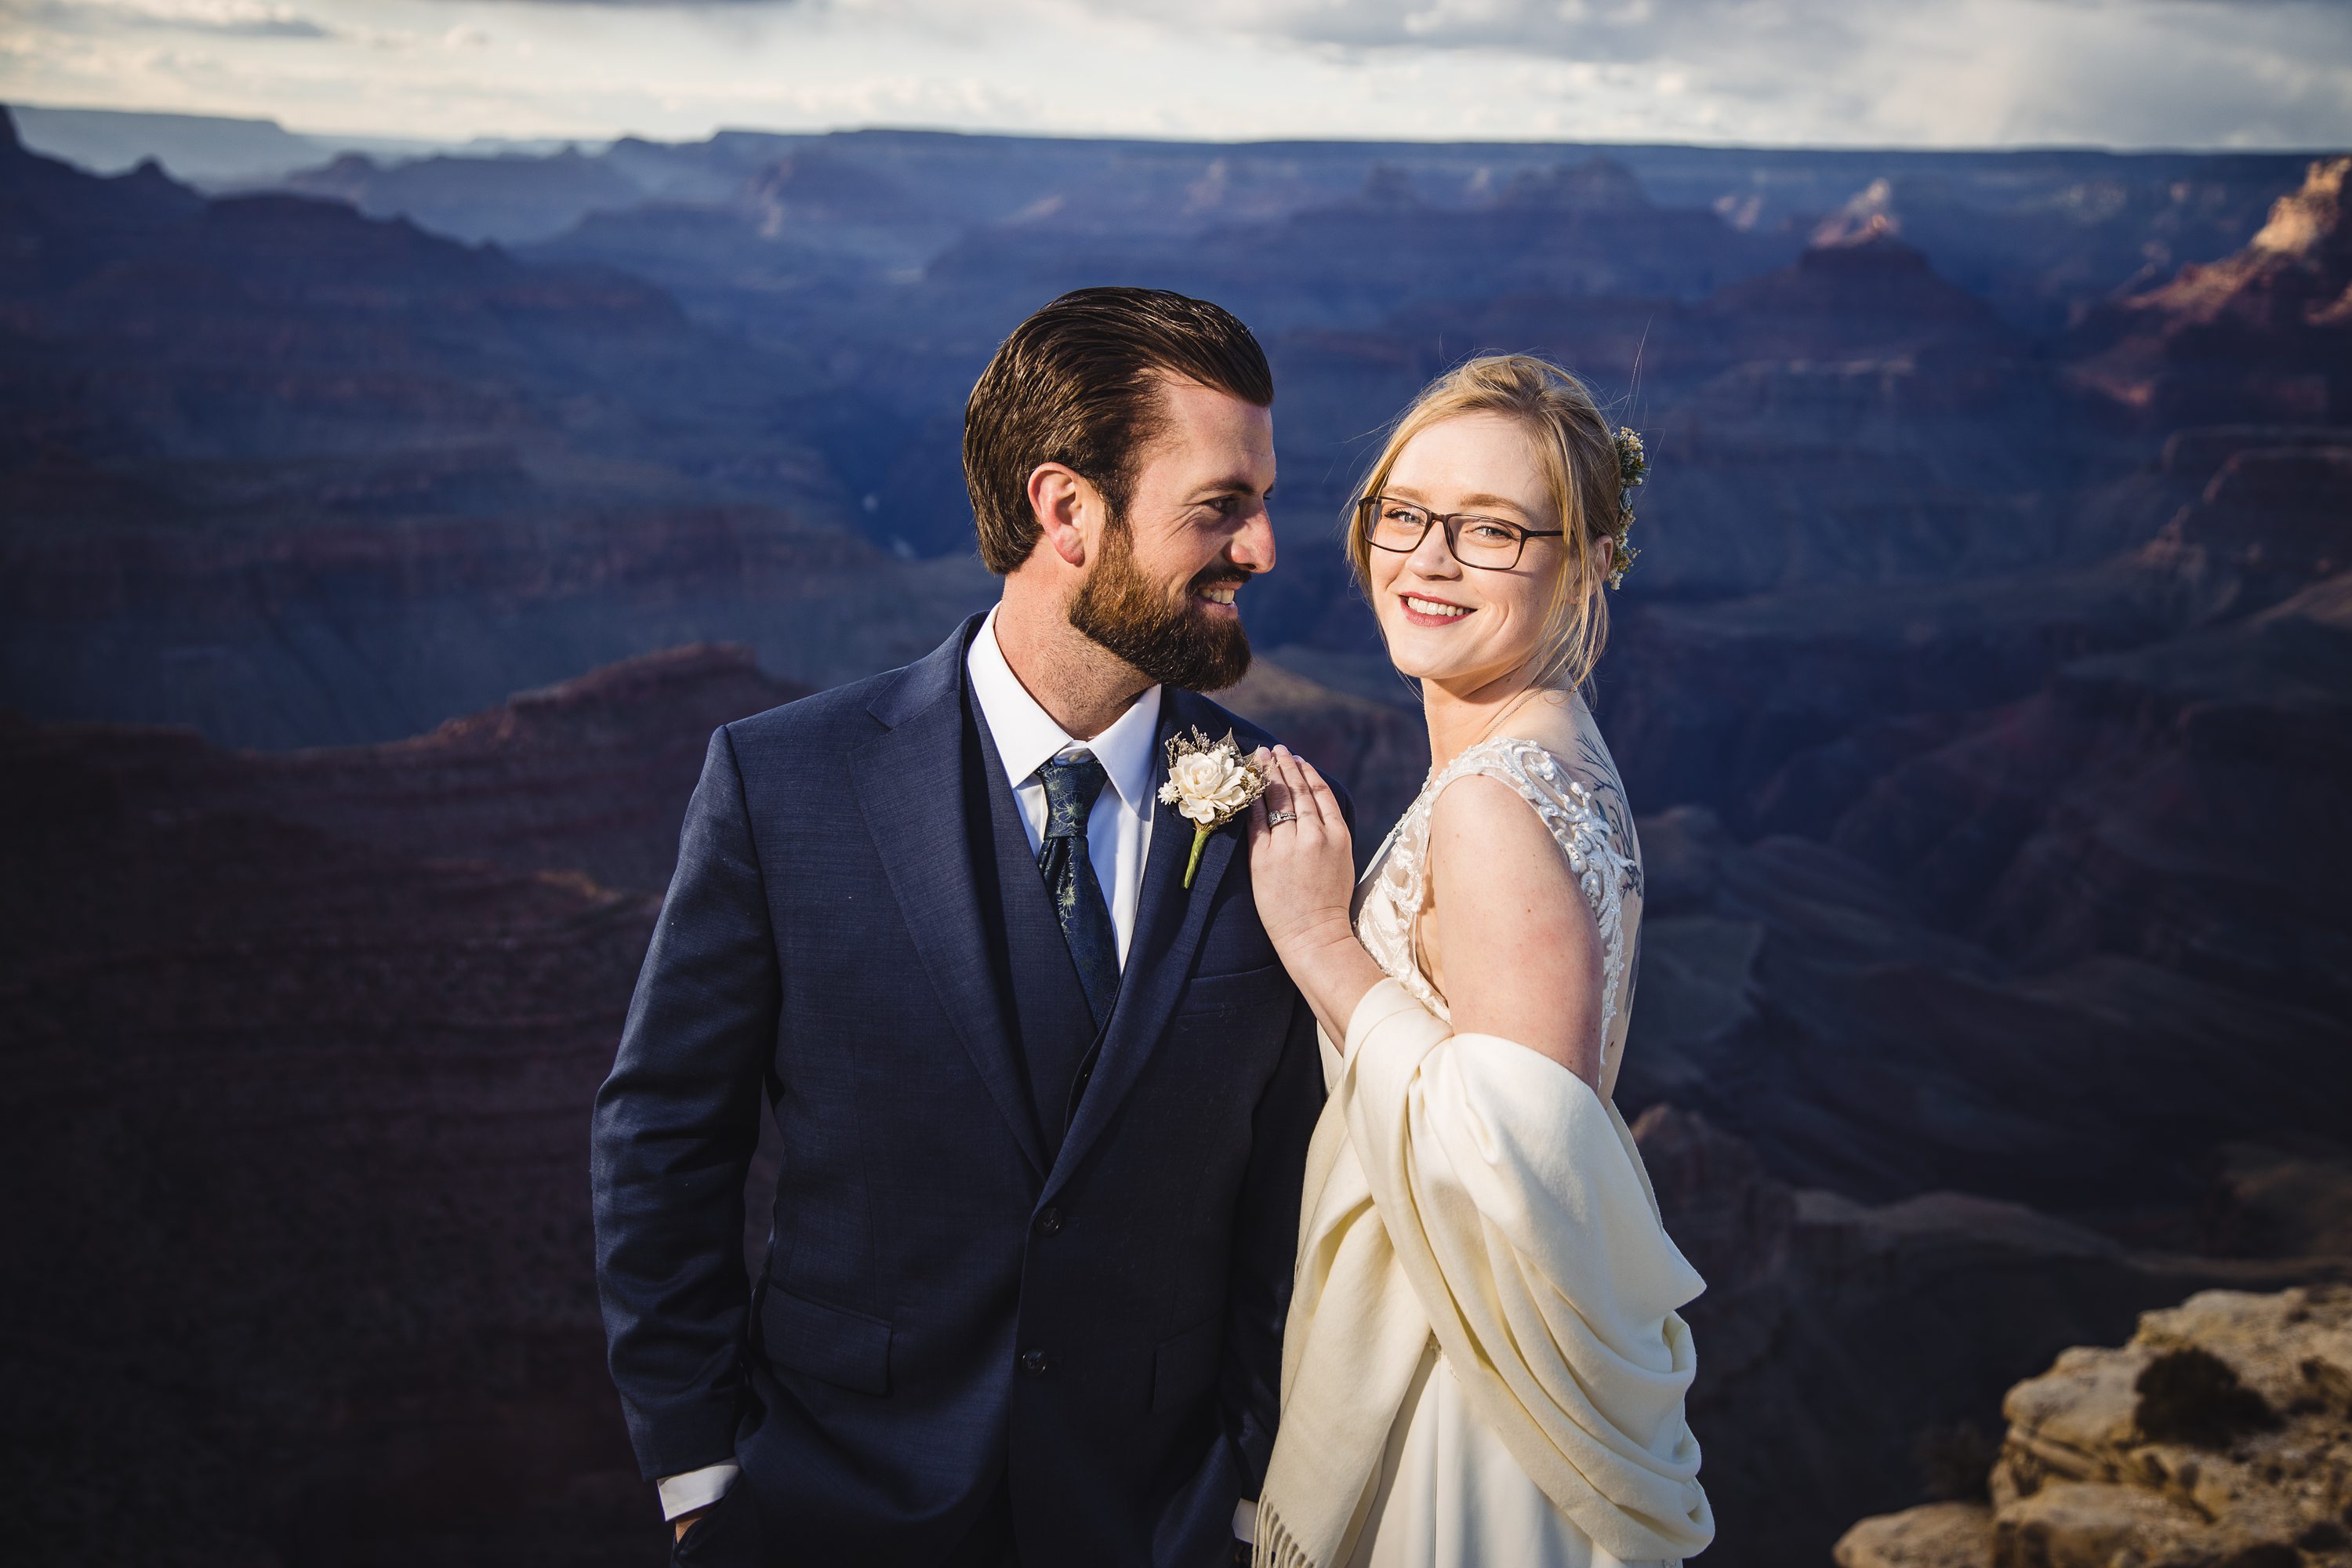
(1465, 1186)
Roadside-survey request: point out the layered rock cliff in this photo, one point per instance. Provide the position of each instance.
(2219, 1434)
(2265, 333)
(1850, 1351)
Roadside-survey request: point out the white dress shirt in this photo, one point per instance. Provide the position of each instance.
(1119, 831)
(1119, 836)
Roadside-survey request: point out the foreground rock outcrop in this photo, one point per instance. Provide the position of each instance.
(2218, 1437)
(1853, 1356)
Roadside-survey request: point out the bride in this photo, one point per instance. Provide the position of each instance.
(1483, 1363)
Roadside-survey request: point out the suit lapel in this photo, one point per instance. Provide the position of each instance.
(1168, 922)
(912, 792)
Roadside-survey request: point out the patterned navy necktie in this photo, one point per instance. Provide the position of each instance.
(1071, 787)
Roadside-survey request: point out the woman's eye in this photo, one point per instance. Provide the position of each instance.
(1489, 532)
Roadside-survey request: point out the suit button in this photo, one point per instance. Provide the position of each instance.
(1032, 1362)
(1049, 1223)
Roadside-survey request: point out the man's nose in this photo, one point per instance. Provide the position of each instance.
(1252, 545)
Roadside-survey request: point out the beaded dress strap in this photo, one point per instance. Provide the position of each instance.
(1584, 821)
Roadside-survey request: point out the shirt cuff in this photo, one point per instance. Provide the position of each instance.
(1246, 1521)
(696, 1488)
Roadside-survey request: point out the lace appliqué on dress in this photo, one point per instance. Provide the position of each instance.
(1589, 821)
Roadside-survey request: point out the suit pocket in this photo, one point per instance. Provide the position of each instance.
(831, 1343)
(1184, 1368)
(1235, 991)
(727, 1535)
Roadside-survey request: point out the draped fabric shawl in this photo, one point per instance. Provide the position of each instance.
(1466, 1186)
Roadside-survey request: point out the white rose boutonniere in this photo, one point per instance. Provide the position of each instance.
(1210, 783)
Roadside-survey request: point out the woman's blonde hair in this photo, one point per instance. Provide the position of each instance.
(1578, 453)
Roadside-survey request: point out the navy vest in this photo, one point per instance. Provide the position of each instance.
(1045, 1008)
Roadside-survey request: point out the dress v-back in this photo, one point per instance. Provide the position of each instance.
(1450, 1494)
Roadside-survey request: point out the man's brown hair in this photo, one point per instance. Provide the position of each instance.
(1075, 384)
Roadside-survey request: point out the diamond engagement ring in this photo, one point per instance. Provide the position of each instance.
(1274, 816)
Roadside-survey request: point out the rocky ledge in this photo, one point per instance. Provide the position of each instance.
(2218, 1437)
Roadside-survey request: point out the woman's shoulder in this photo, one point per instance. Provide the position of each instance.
(1561, 770)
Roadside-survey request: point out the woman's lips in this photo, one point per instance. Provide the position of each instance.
(1423, 611)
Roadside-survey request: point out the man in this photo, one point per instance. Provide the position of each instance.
(1044, 1110)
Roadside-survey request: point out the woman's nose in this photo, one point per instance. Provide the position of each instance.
(1431, 557)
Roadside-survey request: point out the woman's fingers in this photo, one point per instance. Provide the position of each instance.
(1263, 758)
(1298, 791)
(1327, 803)
(1276, 798)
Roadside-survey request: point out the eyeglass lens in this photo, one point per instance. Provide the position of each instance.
(1475, 541)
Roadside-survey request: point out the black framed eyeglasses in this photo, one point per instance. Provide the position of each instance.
(1489, 543)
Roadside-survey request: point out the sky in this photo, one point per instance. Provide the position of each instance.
(1934, 73)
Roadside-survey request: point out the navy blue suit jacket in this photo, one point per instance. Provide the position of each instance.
(956, 1333)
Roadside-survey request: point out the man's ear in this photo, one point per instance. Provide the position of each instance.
(1066, 506)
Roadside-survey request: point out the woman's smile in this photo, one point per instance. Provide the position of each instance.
(1423, 610)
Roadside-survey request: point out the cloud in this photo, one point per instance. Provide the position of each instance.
(226, 18)
(2132, 72)
(2123, 73)
(657, 4)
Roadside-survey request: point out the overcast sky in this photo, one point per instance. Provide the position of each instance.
(2125, 73)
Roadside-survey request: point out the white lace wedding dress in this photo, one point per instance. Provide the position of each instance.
(1449, 1493)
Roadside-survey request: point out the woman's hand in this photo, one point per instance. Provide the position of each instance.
(1303, 870)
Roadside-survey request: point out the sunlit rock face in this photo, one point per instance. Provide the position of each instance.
(1851, 1351)
(2219, 1432)
(2261, 335)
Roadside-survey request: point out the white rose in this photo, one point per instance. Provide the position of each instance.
(1208, 785)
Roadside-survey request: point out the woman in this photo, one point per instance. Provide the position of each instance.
(1483, 1363)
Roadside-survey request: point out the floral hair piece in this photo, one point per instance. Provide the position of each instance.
(1632, 467)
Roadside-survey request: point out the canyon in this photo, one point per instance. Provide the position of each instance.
(378, 549)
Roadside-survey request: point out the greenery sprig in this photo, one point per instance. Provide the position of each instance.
(1632, 467)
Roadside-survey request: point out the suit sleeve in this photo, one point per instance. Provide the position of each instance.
(674, 1132)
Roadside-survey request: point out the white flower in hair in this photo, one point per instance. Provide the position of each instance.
(1632, 468)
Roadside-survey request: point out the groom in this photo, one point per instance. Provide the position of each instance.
(1044, 1109)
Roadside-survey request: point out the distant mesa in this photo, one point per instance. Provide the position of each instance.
(1390, 188)
(509, 199)
(1596, 185)
(1865, 287)
(1869, 215)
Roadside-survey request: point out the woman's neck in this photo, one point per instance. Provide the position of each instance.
(1459, 717)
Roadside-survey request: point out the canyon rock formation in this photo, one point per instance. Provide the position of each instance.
(2219, 1434)
(1983, 685)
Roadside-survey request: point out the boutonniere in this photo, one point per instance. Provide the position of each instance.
(1210, 783)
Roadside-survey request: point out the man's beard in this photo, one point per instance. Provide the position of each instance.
(1175, 645)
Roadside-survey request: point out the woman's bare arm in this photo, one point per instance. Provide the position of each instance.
(1510, 940)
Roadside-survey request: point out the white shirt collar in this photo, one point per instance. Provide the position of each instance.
(1027, 737)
